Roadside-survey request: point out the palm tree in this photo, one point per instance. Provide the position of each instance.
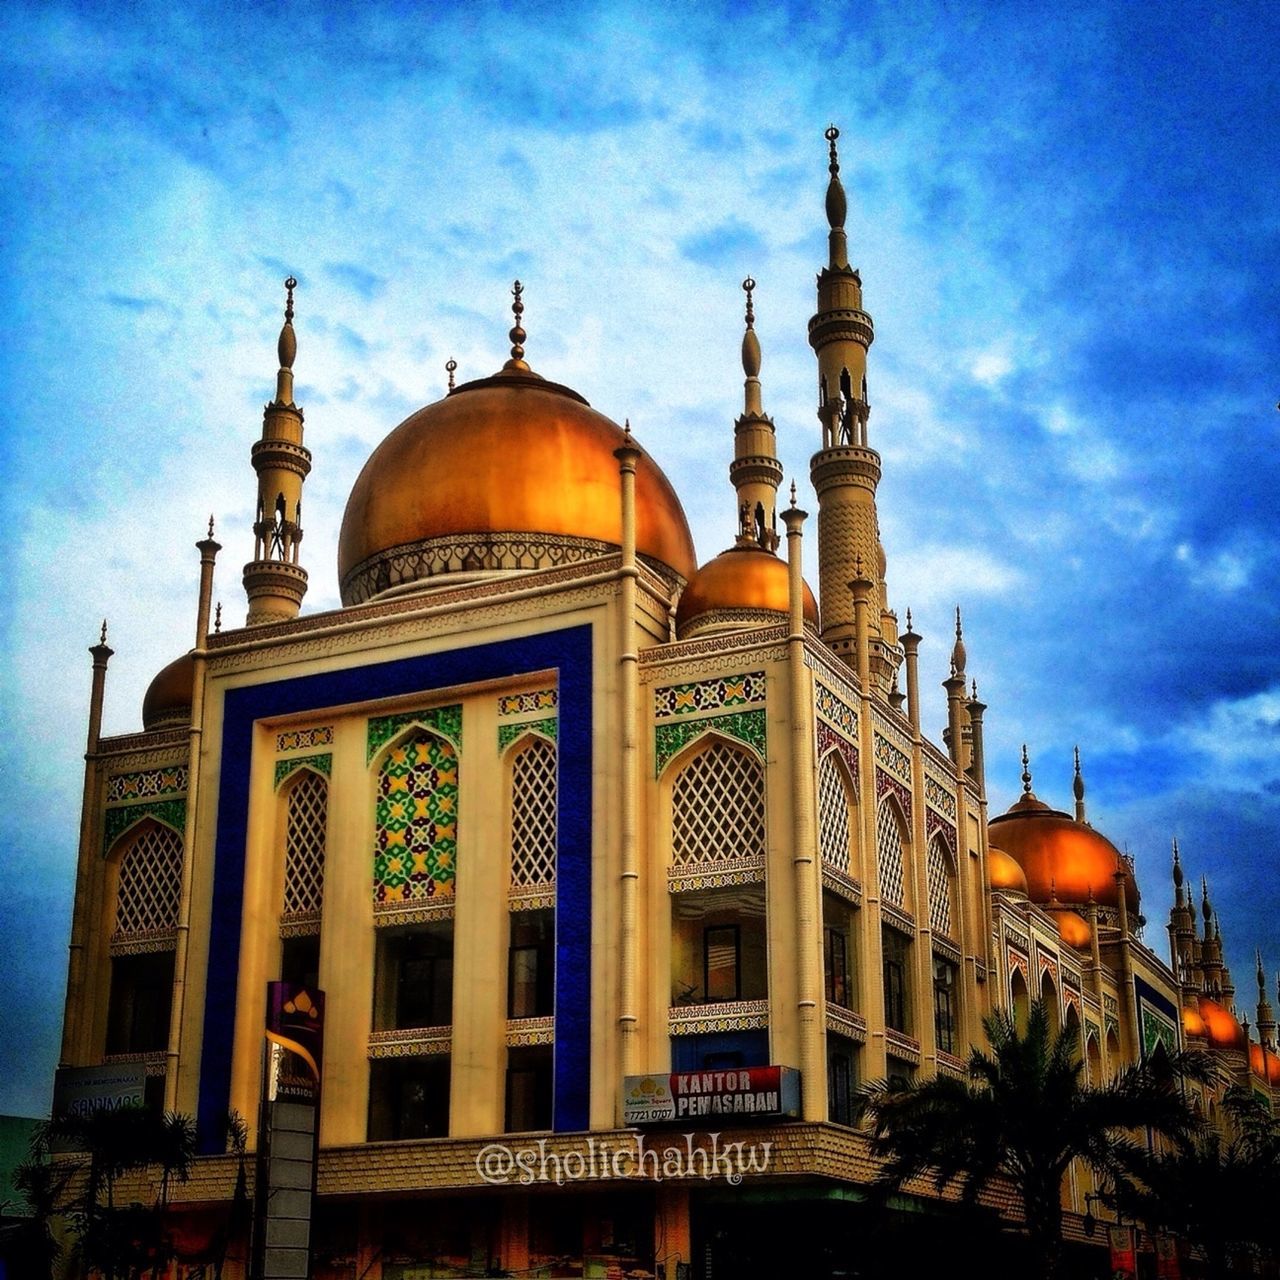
(1024, 1114)
(1217, 1190)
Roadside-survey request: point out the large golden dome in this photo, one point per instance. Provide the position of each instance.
(1221, 1027)
(1004, 873)
(735, 587)
(1063, 858)
(167, 701)
(506, 473)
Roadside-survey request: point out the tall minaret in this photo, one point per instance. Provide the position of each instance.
(755, 471)
(274, 581)
(846, 470)
(1266, 1015)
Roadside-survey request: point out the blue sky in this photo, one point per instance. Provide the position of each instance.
(1066, 224)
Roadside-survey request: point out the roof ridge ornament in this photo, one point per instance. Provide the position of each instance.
(517, 333)
(1026, 771)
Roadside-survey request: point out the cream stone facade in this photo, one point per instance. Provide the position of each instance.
(545, 808)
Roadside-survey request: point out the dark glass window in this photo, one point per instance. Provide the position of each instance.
(944, 1010)
(529, 1089)
(835, 964)
(141, 997)
(531, 965)
(897, 1006)
(722, 962)
(840, 1080)
(415, 978)
(409, 1098)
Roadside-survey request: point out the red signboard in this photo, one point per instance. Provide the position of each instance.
(1124, 1254)
(740, 1093)
(1167, 1265)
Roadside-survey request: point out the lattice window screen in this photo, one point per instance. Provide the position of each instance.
(533, 814)
(150, 883)
(833, 815)
(304, 844)
(717, 807)
(890, 852)
(939, 888)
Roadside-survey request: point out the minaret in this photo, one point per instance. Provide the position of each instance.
(1182, 927)
(846, 470)
(755, 471)
(274, 581)
(1266, 1015)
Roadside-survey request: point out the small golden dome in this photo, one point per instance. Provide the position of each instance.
(168, 699)
(1073, 928)
(1193, 1023)
(508, 472)
(1062, 857)
(1004, 873)
(1221, 1027)
(741, 581)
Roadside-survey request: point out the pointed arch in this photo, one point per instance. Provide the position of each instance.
(305, 796)
(835, 789)
(717, 802)
(416, 819)
(148, 883)
(1019, 1000)
(1052, 1002)
(532, 769)
(891, 853)
(941, 876)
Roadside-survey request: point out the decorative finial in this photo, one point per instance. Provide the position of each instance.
(626, 429)
(793, 495)
(909, 620)
(517, 334)
(1262, 977)
(1026, 771)
(837, 206)
(1177, 870)
(286, 348)
(290, 285)
(748, 285)
(958, 655)
(210, 525)
(451, 367)
(102, 638)
(831, 135)
(974, 696)
(217, 617)
(857, 565)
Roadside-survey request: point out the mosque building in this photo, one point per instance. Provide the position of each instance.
(592, 849)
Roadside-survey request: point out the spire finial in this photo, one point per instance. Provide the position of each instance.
(747, 286)
(831, 135)
(626, 429)
(837, 205)
(210, 534)
(909, 627)
(975, 691)
(102, 638)
(217, 617)
(1026, 771)
(517, 334)
(1262, 977)
(288, 344)
(451, 367)
(793, 495)
(751, 351)
(958, 655)
(1077, 788)
(1177, 871)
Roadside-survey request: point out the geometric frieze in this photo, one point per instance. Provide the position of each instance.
(835, 710)
(709, 695)
(718, 1018)
(670, 738)
(517, 704)
(303, 739)
(123, 788)
(322, 763)
(897, 762)
(941, 797)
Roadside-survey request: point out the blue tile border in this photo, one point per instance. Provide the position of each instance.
(569, 652)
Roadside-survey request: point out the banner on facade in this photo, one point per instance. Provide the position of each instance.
(295, 1040)
(79, 1090)
(743, 1093)
(1124, 1253)
(1167, 1265)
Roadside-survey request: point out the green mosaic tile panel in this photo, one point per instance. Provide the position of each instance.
(416, 822)
(745, 726)
(322, 763)
(508, 733)
(709, 695)
(896, 761)
(446, 721)
(1157, 1030)
(173, 813)
(836, 710)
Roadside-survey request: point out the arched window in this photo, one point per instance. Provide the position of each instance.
(304, 844)
(1020, 1000)
(833, 814)
(416, 845)
(1093, 1059)
(889, 850)
(940, 870)
(1052, 1006)
(533, 814)
(150, 884)
(717, 807)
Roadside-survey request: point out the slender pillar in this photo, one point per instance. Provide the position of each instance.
(208, 549)
(88, 843)
(629, 679)
(804, 834)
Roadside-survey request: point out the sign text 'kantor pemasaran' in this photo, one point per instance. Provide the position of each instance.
(740, 1093)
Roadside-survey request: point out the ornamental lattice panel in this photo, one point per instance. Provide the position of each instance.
(416, 841)
(150, 884)
(890, 853)
(304, 845)
(833, 815)
(717, 807)
(939, 888)
(533, 814)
